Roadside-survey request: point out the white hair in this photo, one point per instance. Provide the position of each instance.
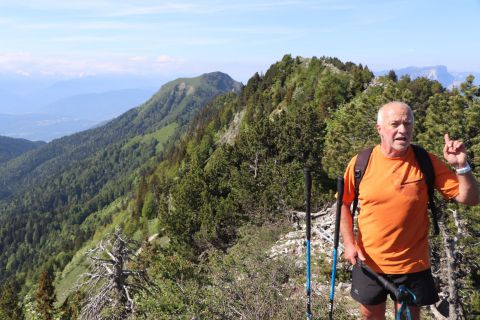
(381, 110)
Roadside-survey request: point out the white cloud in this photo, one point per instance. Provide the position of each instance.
(138, 58)
(164, 59)
(208, 7)
(26, 63)
(157, 9)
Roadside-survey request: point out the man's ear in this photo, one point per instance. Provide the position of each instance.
(379, 128)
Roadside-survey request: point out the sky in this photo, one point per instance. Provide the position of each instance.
(186, 38)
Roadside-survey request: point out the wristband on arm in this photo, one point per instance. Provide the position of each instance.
(464, 170)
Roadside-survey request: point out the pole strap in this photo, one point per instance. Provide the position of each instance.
(406, 296)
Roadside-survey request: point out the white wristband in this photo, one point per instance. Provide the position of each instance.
(464, 170)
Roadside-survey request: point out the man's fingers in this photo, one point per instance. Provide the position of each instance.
(452, 146)
(447, 138)
(445, 149)
(360, 255)
(457, 144)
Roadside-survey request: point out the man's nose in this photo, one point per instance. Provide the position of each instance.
(402, 128)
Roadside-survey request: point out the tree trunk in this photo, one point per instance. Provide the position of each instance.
(454, 310)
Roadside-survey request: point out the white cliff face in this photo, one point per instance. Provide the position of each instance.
(448, 79)
(432, 74)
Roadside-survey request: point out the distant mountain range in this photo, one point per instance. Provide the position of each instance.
(41, 127)
(22, 94)
(47, 108)
(440, 73)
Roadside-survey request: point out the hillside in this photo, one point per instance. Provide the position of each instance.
(218, 203)
(57, 186)
(11, 148)
(221, 203)
(208, 209)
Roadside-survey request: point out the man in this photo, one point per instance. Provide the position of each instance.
(393, 222)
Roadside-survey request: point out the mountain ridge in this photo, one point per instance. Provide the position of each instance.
(72, 177)
(11, 148)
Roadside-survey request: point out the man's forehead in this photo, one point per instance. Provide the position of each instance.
(398, 112)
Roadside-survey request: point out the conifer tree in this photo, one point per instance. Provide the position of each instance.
(141, 192)
(10, 306)
(45, 295)
(392, 76)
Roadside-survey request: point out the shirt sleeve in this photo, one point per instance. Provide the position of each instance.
(446, 181)
(349, 182)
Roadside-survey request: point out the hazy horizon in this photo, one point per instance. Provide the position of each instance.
(172, 39)
(58, 52)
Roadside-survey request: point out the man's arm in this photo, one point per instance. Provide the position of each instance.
(346, 229)
(468, 189)
(455, 154)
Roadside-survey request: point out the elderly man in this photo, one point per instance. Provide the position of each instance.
(393, 223)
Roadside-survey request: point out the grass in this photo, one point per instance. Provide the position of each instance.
(70, 276)
(78, 265)
(161, 136)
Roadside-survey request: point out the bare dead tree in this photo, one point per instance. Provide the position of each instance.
(110, 285)
(449, 266)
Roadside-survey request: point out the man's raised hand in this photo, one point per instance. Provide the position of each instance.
(454, 152)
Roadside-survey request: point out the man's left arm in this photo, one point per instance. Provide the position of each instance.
(455, 154)
(468, 189)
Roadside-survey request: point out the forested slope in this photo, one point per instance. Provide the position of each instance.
(220, 203)
(212, 196)
(223, 191)
(47, 193)
(11, 147)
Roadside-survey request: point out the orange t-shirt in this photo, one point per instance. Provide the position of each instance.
(393, 221)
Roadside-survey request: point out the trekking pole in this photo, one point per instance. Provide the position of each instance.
(386, 284)
(340, 184)
(308, 186)
(402, 294)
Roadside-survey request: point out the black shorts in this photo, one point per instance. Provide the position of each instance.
(367, 290)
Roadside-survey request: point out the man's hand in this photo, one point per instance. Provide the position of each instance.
(351, 253)
(454, 152)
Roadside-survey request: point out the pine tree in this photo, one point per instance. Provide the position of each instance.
(45, 295)
(10, 306)
(141, 192)
(392, 76)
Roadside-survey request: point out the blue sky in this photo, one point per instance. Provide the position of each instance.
(186, 38)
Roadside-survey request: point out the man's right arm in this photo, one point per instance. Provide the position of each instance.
(346, 229)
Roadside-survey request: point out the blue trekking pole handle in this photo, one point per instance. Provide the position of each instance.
(308, 187)
(340, 185)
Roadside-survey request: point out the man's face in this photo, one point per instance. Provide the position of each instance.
(396, 129)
